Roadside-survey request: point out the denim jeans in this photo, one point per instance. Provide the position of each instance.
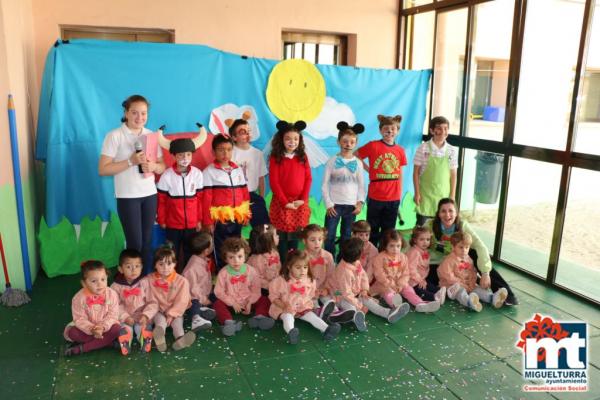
(381, 215)
(344, 212)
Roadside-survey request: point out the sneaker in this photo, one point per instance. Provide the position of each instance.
(146, 339)
(440, 295)
(200, 324)
(359, 321)
(238, 326)
(397, 313)
(341, 317)
(499, 297)
(229, 328)
(511, 300)
(207, 313)
(431, 306)
(474, 303)
(74, 349)
(332, 331)
(185, 341)
(397, 300)
(261, 322)
(326, 310)
(159, 338)
(293, 335)
(125, 338)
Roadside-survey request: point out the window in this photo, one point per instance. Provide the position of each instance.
(448, 71)
(318, 48)
(548, 61)
(114, 33)
(590, 104)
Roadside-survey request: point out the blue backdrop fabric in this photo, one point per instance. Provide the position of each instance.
(85, 82)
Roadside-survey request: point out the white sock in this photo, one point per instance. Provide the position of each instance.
(288, 321)
(315, 321)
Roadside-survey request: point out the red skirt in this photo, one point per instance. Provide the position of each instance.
(288, 220)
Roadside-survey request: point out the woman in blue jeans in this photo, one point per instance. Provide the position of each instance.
(133, 176)
(343, 186)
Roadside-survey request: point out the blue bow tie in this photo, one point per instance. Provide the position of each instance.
(339, 163)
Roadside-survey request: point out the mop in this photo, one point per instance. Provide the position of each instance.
(11, 297)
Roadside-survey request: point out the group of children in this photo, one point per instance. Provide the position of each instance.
(269, 278)
(307, 286)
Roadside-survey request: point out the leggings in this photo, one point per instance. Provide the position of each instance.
(177, 324)
(89, 342)
(310, 317)
(137, 217)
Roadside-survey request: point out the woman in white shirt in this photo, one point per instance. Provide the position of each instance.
(135, 191)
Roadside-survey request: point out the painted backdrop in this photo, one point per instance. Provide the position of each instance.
(85, 82)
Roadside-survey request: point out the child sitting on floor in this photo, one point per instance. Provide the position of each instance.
(265, 257)
(459, 276)
(172, 293)
(136, 308)
(362, 230)
(321, 267)
(198, 273)
(238, 287)
(95, 311)
(291, 296)
(392, 273)
(418, 263)
(350, 284)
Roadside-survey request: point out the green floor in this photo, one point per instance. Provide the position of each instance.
(447, 355)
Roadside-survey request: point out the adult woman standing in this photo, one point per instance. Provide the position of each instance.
(447, 222)
(135, 192)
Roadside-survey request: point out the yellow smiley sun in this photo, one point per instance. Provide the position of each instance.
(295, 91)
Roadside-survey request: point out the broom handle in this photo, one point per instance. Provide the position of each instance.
(14, 147)
(4, 263)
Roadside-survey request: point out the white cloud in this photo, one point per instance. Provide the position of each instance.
(324, 125)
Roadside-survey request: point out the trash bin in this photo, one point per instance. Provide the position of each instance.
(488, 175)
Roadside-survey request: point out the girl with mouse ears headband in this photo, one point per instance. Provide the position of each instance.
(290, 179)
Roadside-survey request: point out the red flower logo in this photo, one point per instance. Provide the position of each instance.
(538, 328)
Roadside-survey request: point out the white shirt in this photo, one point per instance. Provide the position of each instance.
(340, 185)
(119, 144)
(252, 162)
(423, 153)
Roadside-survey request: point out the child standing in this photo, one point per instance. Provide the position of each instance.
(172, 293)
(418, 263)
(226, 198)
(434, 175)
(95, 311)
(198, 273)
(291, 296)
(290, 178)
(252, 162)
(351, 287)
(362, 230)
(458, 274)
(343, 186)
(386, 160)
(391, 272)
(238, 287)
(180, 197)
(265, 258)
(136, 308)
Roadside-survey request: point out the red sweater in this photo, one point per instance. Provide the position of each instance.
(290, 179)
